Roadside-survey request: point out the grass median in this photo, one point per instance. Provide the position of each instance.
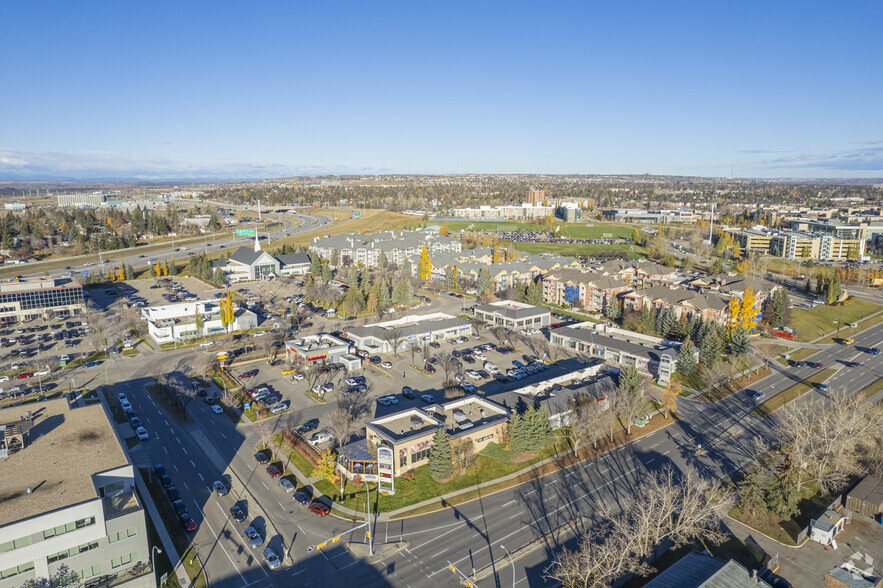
(792, 393)
(853, 331)
(873, 388)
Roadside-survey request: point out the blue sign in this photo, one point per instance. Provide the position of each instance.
(85, 272)
(571, 293)
(247, 405)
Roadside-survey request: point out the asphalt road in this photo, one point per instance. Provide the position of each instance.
(308, 222)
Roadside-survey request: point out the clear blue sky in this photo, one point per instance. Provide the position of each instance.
(262, 89)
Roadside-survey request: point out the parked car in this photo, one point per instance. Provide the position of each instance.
(319, 508)
(249, 374)
(217, 409)
(408, 392)
(237, 513)
(815, 365)
(187, 522)
(318, 438)
(308, 426)
(261, 457)
(286, 484)
(427, 398)
(274, 471)
(142, 434)
(297, 376)
(220, 488)
(301, 498)
(173, 493)
(254, 538)
(386, 365)
(279, 408)
(271, 559)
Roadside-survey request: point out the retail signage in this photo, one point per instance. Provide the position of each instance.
(386, 475)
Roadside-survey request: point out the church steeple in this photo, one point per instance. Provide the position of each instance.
(257, 244)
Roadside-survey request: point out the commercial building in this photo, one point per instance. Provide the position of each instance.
(385, 337)
(409, 433)
(177, 322)
(250, 263)
(23, 299)
(318, 349)
(71, 200)
(15, 206)
(369, 250)
(513, 315)
(621, 348)
(639, 215)
(294, 264)
(68, 499)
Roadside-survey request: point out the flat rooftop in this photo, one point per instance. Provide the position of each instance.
(62, 452)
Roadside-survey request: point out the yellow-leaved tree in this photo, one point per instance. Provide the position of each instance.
(748, 312)
(425, 264)
(734, 315)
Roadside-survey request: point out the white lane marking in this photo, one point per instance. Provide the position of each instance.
(184, 450)
(193, 464)
(518, 514)
(176, 468)
(445, 533)
(200, 476)
(166, 422)
(508, 503)
(552, 482)
(667, 452)
(531, 492)
(649, 461)
(225, 436)
(439, 553)
(185, 485)
(218, 539)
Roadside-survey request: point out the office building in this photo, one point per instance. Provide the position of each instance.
(385, 337)
(68, 499)
(318, 349)
(73, 200)
(171, 323)
(24, 299)
(510, 315)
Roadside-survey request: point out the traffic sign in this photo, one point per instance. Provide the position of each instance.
(85, 272)
(245, 232)
(163, 578)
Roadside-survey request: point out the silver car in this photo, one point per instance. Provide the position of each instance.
(272, 560)
(254, 538)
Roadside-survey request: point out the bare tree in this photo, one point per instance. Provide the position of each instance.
(630, 404)
(413, 348)
(477, 325)
(601, 558)
(341, 425)
(585, 423)
(182, 394)
(393, 336)
(447, 363)
(828, 435)
(501, 335)
(462, 455)
(536, 343)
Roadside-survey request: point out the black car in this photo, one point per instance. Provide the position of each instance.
(180, 507)
(160, 469)
(165, 480)
(434, 344)
(308, 426)
(430, 368)
(374, 359)
(261, 457)
(237, 513)
(408, 392)
(173, 493)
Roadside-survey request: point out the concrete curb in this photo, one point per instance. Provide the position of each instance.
(753, 530)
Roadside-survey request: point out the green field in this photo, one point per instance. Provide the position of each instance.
(628, 251)
(812, 323)
(573, 230)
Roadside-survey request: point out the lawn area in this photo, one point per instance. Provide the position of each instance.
(812, 504)
(493, 226)
(370, 222)
(294, 456)
(812, 323)
(873, 388)
(792, 393)
(573, 230)
(852, 331)
(423, 486)
(797, 355)
(722, 392)
(693, 380)
(576, 249)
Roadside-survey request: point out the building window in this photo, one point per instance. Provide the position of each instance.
(109, 489)
(418, 455)
(61, 530)
(89, 572)
(16, 570)
(120, 535)
(72, 552)
(15, 544)
(123, 560)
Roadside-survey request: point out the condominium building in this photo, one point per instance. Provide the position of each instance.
(802, 244)
(367, 250)
(588, 289)
(68, 499)
(536, 197)
(524, 211)
(23, 299)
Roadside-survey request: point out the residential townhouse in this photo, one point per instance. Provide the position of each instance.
(366, 250)
(638, 274)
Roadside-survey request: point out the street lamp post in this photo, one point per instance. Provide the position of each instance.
(368, 518)
(153, 552)
(512, 561)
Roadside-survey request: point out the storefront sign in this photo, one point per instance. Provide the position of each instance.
(386, 476)
(316, 357)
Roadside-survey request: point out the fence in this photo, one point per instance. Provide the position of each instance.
(838, 502)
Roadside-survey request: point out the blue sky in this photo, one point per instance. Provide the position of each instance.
(264, 89)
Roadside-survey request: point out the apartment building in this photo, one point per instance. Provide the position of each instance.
(523, 212)
(68, 499)
(367, 250)
(588, 289)
(801, 244)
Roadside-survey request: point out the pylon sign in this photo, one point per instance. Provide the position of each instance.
(385, 473)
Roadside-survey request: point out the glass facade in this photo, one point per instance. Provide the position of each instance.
(43, 299)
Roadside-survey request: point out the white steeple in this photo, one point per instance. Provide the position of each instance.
(257, 244)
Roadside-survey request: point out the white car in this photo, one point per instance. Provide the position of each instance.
(261, 334)
(206, 344)
(126, 405)
(473, 375)
(4, 378)
(297, 376)
(317, 389)
(42, 373)
(320, 438)
(142, 433)
(384, 401)
(217, 409)
(386, 365)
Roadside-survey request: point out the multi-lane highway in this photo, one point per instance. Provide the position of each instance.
(292, 224)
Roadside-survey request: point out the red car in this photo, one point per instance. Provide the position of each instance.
(815, 365)
(23, 376)
(187, 522)
(273, 471)
(249, 374)
(319, 508)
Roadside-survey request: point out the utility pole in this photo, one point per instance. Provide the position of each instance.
(368, 519)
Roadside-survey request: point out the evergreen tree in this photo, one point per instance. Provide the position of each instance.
(173, 267)
(519, 434)
(534, 294)
(752, 497)
(325, 271)
(6, 242)
(440, 465)
(781, 491)
(647, 319)
(130, 272)
(403, 293)
(710, 350)
(484, 283)
(739, 342)
(695, 327)
(833, 289)
(540, 427)
(382, 261)
(219, 278)
(315, 266)
(384, 300)
(687, 358)
(667, 322)
(629, 379)
(613, 311)
(352, 278)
